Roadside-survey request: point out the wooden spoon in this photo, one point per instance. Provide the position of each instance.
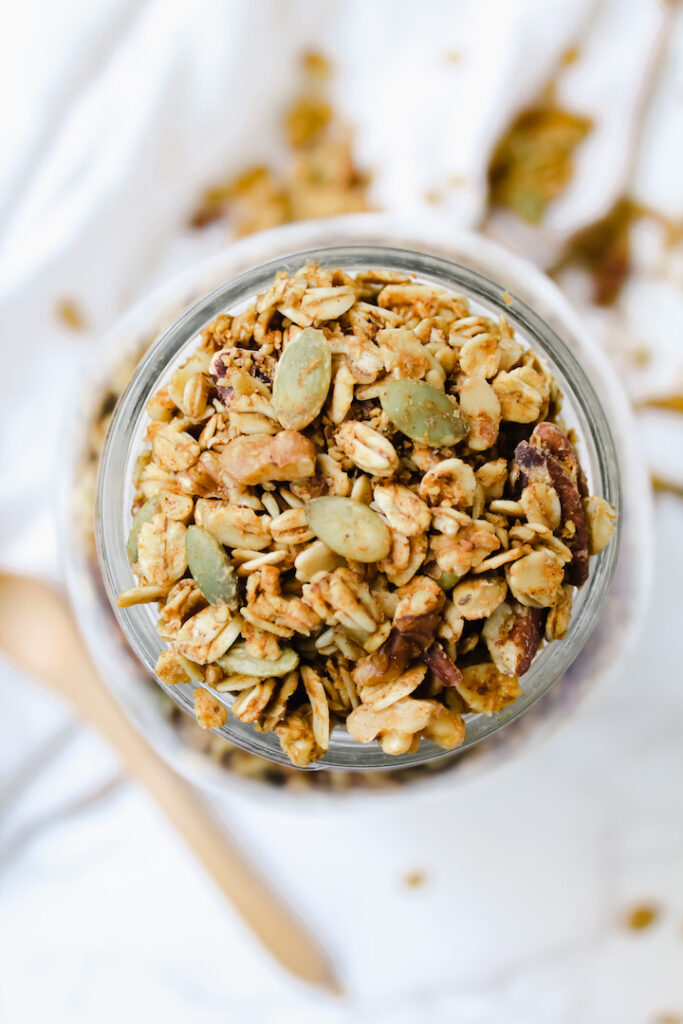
(38, 633)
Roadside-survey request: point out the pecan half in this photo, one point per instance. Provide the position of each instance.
(409, 637)
(555, 442)
(442, 666)
(513, 635)
(530, 458)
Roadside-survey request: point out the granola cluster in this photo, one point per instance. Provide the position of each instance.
(320, 176)
(534, 160)
(357, 506)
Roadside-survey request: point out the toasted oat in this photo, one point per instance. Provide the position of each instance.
(486, 690)
(207, 635)
(405, 557)
(536, 579)
(602, 522)
(171, 669)
(402, 509)
(251, 702)
(482, 410)
(297, 738)
(451, 482)
(210, 712)
(343, 596)
(161, 551)
(383, 695)
(234, 527)
(377, 531)
(319, 706)
(367, 448)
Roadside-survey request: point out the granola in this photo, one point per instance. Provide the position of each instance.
(358, 507)
(320, 176)
(533, 161)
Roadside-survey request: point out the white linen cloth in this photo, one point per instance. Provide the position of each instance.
(116, 115)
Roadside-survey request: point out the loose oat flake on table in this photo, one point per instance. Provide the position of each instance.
(358, 506)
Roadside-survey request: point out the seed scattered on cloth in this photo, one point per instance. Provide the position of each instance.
(70, 314)
(642, 916)
(533, 162)
(414, 879)
(321, 177)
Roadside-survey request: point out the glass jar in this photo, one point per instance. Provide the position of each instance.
(593, 405)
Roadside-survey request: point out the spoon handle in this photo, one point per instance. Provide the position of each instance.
(31, 609)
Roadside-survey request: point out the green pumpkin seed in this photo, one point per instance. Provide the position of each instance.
(350, 528)
(210, 566)
(447, 580)
(142, 516)
(238, 660)
(302, 379)
(423, 413)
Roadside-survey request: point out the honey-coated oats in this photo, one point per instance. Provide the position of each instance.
(359, 507)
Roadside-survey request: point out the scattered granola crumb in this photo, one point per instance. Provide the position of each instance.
(570, 56)
(662, 486)
(641, 356)
(433, 196)
(507, 298)
(604, 247)
(306, 120)
(316, 64)
(604, 250)
(668, 1018)
(642, 917)
(414, 879)
(321, 179)
(453, 57)
(669, 403)
(532, 163)
(70, 315)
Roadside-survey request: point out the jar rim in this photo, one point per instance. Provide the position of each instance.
(112, 513)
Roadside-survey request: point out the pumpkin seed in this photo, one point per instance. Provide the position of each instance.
(238, 660)
(423, 413)
(350, 528)
(142, 516)
(210, 566)
(447, 580)
(302, 379)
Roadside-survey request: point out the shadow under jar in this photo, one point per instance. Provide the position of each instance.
(581, 412)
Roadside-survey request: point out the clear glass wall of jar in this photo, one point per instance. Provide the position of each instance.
(494, 282)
